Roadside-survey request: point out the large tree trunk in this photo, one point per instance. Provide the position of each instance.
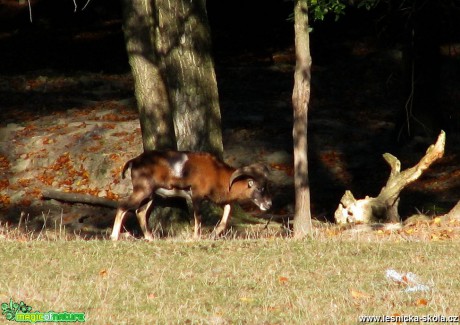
(155, 114)
(184, 45)
(300, 100)
(169, 46)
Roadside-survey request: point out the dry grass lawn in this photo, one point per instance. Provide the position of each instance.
(263, 281)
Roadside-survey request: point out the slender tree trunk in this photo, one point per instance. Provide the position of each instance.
(300, 100)
(184, 46)
(155, 114)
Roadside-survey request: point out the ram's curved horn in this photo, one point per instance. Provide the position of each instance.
(256, 171)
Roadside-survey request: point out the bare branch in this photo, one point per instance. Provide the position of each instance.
(30, 10)
(86, 4)
(78, 198)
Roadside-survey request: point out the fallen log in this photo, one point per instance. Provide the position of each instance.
(384, 207)
(78, 198)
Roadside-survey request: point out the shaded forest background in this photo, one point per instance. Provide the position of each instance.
(358, 98)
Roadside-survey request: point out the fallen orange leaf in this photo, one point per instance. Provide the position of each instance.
(67, 181)
(396, 315)
(283, 279)
(94, 148)
(4, 163)
(25, 182)
(48, 141)
(5, 199)
(421, 302)
(4, 183)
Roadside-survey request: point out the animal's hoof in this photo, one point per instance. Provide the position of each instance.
(217, 232)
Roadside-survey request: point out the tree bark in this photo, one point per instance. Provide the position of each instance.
(183, 44)
(155, 113)
(300, 101)
(169, 48)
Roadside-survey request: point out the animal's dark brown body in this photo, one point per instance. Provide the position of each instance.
(196, 176)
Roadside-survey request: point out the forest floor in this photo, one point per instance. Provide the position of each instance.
(69, 122)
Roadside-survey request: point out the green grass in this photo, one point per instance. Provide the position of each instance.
(278, 281)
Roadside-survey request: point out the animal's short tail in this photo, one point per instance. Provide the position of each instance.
(126, 167)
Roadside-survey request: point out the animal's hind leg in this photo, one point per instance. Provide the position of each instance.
(133, 202)
(142, 214)
(117, 224)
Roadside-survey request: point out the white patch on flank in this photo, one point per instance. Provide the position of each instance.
(178, 166)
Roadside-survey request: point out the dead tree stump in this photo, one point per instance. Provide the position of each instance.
(384, 207)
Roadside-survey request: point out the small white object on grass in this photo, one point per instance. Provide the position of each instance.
(408, 279)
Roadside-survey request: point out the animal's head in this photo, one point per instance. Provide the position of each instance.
(255, 178)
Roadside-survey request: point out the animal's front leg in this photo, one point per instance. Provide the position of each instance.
(223, 222)
(197, 231)
(197, 216)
